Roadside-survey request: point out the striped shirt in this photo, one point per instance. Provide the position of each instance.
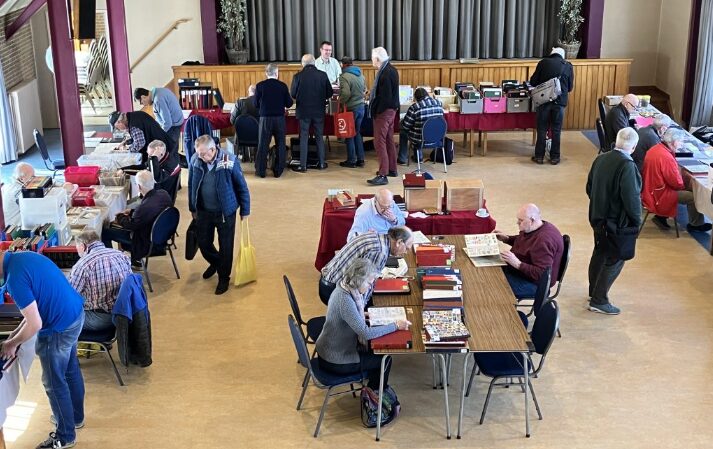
(98, 276)
(372, 246)
(417, 115)
(138, 140)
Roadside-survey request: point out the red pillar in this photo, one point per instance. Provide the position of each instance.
(119, 55)
(65, 73)
(210, 32)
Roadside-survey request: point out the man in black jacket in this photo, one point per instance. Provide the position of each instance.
(384, 106)
(245, 106)
(614, 190)
(142, 128)
(550, 115)
(271, 98)
(310, 89)
(649, 136)
(619, 117)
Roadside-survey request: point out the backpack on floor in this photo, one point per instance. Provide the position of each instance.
(437, 154)
(370, 406)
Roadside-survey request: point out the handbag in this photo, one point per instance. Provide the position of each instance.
(548, 91)
(620, 242)
(191, 240)
(344, 127)
(245, 270)
(370, 406)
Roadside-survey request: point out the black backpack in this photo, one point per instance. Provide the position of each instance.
(437, 154)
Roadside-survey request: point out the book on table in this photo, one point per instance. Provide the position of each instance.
(484, 250)
(434, 255)
(432, 271)
(444, 330)
(391, 286)
(442, 282)
(395, 340)
(381, 316)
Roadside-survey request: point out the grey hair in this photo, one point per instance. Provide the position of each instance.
(399, 233)
(251, 90)
(271, 69)
(626, 139)
(204, 140)
(380, 54)
(307, 59)
(358, 272)
(87, 237)
(673, 135)
(144, 178)
(558, 51)
(662, 120)
(20, 168)
(157, 144)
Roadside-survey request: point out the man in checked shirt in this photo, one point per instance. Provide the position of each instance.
(97, 277)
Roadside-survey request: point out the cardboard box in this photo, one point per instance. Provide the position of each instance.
(429, 197)
(464, 194)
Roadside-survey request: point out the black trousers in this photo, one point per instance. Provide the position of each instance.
(325, 290)
(549, 116)
(603, 270)
(368, 361)
(269, 127)
(207, 223)
(318, 126)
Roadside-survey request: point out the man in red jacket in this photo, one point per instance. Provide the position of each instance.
(664, 187)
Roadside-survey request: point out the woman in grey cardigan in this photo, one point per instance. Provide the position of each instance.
(342, 344)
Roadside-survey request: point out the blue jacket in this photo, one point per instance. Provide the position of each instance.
(196, 126)
(232, 189)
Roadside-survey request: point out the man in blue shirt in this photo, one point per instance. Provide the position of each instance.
(166, 109)
(378, 214)
(53, 310)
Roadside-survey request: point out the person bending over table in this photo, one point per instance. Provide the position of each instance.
(372, 246)
(142, 129)
(538, 245)
(378, 214)
(342, 345)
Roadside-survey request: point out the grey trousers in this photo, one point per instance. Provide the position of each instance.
(603, 271)
(695, 218)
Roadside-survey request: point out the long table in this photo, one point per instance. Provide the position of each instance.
(337, 222)
(490, 316)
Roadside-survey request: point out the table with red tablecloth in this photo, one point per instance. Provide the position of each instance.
(217, 118)
(337, 222)
(485, 123)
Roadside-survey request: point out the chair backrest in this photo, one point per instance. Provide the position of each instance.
(434, 131)
(247, 130)
(41, 145)
(545, 328)
(299, 341)
(566, 254)
(601, 136)
(543, 290)
(602, 109)
(165, 225)
(293, 300)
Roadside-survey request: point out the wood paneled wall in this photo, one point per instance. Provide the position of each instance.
(594, 78)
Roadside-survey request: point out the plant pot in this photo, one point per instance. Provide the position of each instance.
(237, 56)
(571, 50)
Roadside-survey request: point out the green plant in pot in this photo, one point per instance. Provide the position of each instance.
(570, 21)
(233, 24)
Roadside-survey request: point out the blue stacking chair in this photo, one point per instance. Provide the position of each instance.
(313, 326)
(51, 165)
(163, 232)
(247, 131)
(322, 379)
(508, 365)
(432, 135)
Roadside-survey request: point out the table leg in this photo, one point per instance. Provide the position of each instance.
(462, 393)
(526, 364)
(534, 136)
(465, 139)
(472, 142)
(445, 394)
(381, 392)
(485, 143)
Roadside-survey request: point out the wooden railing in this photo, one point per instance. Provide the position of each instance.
(164, 35)
(594, 78)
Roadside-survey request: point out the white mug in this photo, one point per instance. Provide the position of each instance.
(482, 213)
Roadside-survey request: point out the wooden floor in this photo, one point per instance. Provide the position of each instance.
(224, 372)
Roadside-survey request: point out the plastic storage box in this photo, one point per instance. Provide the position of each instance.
(82, 176)
(494, 102)
(50, 209)
(83, 197)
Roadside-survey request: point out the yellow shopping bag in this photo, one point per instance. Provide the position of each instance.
(245, 271)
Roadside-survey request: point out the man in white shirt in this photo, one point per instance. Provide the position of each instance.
(12, 191)
(327, 63)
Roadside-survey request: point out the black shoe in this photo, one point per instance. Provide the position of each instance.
(299, 169)
(402, 162)
(392, 174)
(136, 264)
(222, 287)
(260, 175)
(347, 164)
(705, 227)
(55, 443)
(537, 160)
(661, 222)
(209, 272)
(322, 166)
(554, 161)
(360, 163)
(378, 181)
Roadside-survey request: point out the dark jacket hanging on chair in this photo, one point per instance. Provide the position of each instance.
(133, 323)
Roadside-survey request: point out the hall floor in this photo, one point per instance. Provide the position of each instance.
(224, 372)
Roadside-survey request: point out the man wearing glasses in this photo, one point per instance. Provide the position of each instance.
(327, 63)
(378, 214)
(618, 118)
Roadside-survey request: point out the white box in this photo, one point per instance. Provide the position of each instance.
(50, 209)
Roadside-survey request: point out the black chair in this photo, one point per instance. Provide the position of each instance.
(432, 135)
(313, 326)
(602, 110)
(543, 290)
(322, 379)
(51, 165)
(247, 130)
(104, 340)
(509, 365)
(602, 137)
(163, 232)
(646, 217)
(564, 263)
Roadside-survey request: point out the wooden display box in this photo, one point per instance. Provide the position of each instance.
(464, 194)
(429, 197)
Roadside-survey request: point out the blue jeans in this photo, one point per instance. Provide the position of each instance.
(62, 377)
(355, 145)
(95, 320)
(520, 285)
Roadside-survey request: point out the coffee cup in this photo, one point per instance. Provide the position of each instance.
(482, 213)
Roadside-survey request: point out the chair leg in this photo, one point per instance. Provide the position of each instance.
(534, 399)
(675, 225)
(418, 160)
(445, 167)
(145, 269)
(470, 382)
(559, 334)
(433, 364)
(351, 387)
(175, 268)
(321, 413)
(487, 400)
(113, 365)
(644, 221)
(305, 383)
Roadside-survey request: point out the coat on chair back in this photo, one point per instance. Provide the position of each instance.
(133, 322)
(195, 127)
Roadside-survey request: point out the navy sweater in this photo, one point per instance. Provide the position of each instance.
(272, 97)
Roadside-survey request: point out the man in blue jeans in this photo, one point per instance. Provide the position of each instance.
(53, 308)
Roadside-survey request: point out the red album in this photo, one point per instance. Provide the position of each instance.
(414, 181)
(394, 340)
(391, 286)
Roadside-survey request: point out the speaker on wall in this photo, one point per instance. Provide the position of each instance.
(87, 19)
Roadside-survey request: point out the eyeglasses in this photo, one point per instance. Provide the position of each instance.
(636, 107)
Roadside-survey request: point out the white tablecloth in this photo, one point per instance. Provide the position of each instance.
(702, 196)
(10, 382)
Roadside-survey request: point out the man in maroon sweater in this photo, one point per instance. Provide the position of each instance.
(538, 245)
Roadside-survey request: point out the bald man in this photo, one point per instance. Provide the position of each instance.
(12, 192)
(538, 245)
(618, 118)
(378, 214)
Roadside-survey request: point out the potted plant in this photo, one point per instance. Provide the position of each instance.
(570, 21)
(233, 23)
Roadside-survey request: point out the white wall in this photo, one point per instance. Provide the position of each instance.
(672, 49)
(45, 78)
(146, 20)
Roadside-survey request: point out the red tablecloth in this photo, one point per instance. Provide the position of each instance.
(490, 122)
(217, 118)
(336, 225)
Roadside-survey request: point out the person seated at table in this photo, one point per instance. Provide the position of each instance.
(663, 186)
(12, 192)
(377, 214)
(164, 166)
(343, 344)
(132, 227)
(619, 117)
(650, 136)
(245, 106)
(372, 246)
(538, 245)
(98, 277)
(424, 108)
(142, 129)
